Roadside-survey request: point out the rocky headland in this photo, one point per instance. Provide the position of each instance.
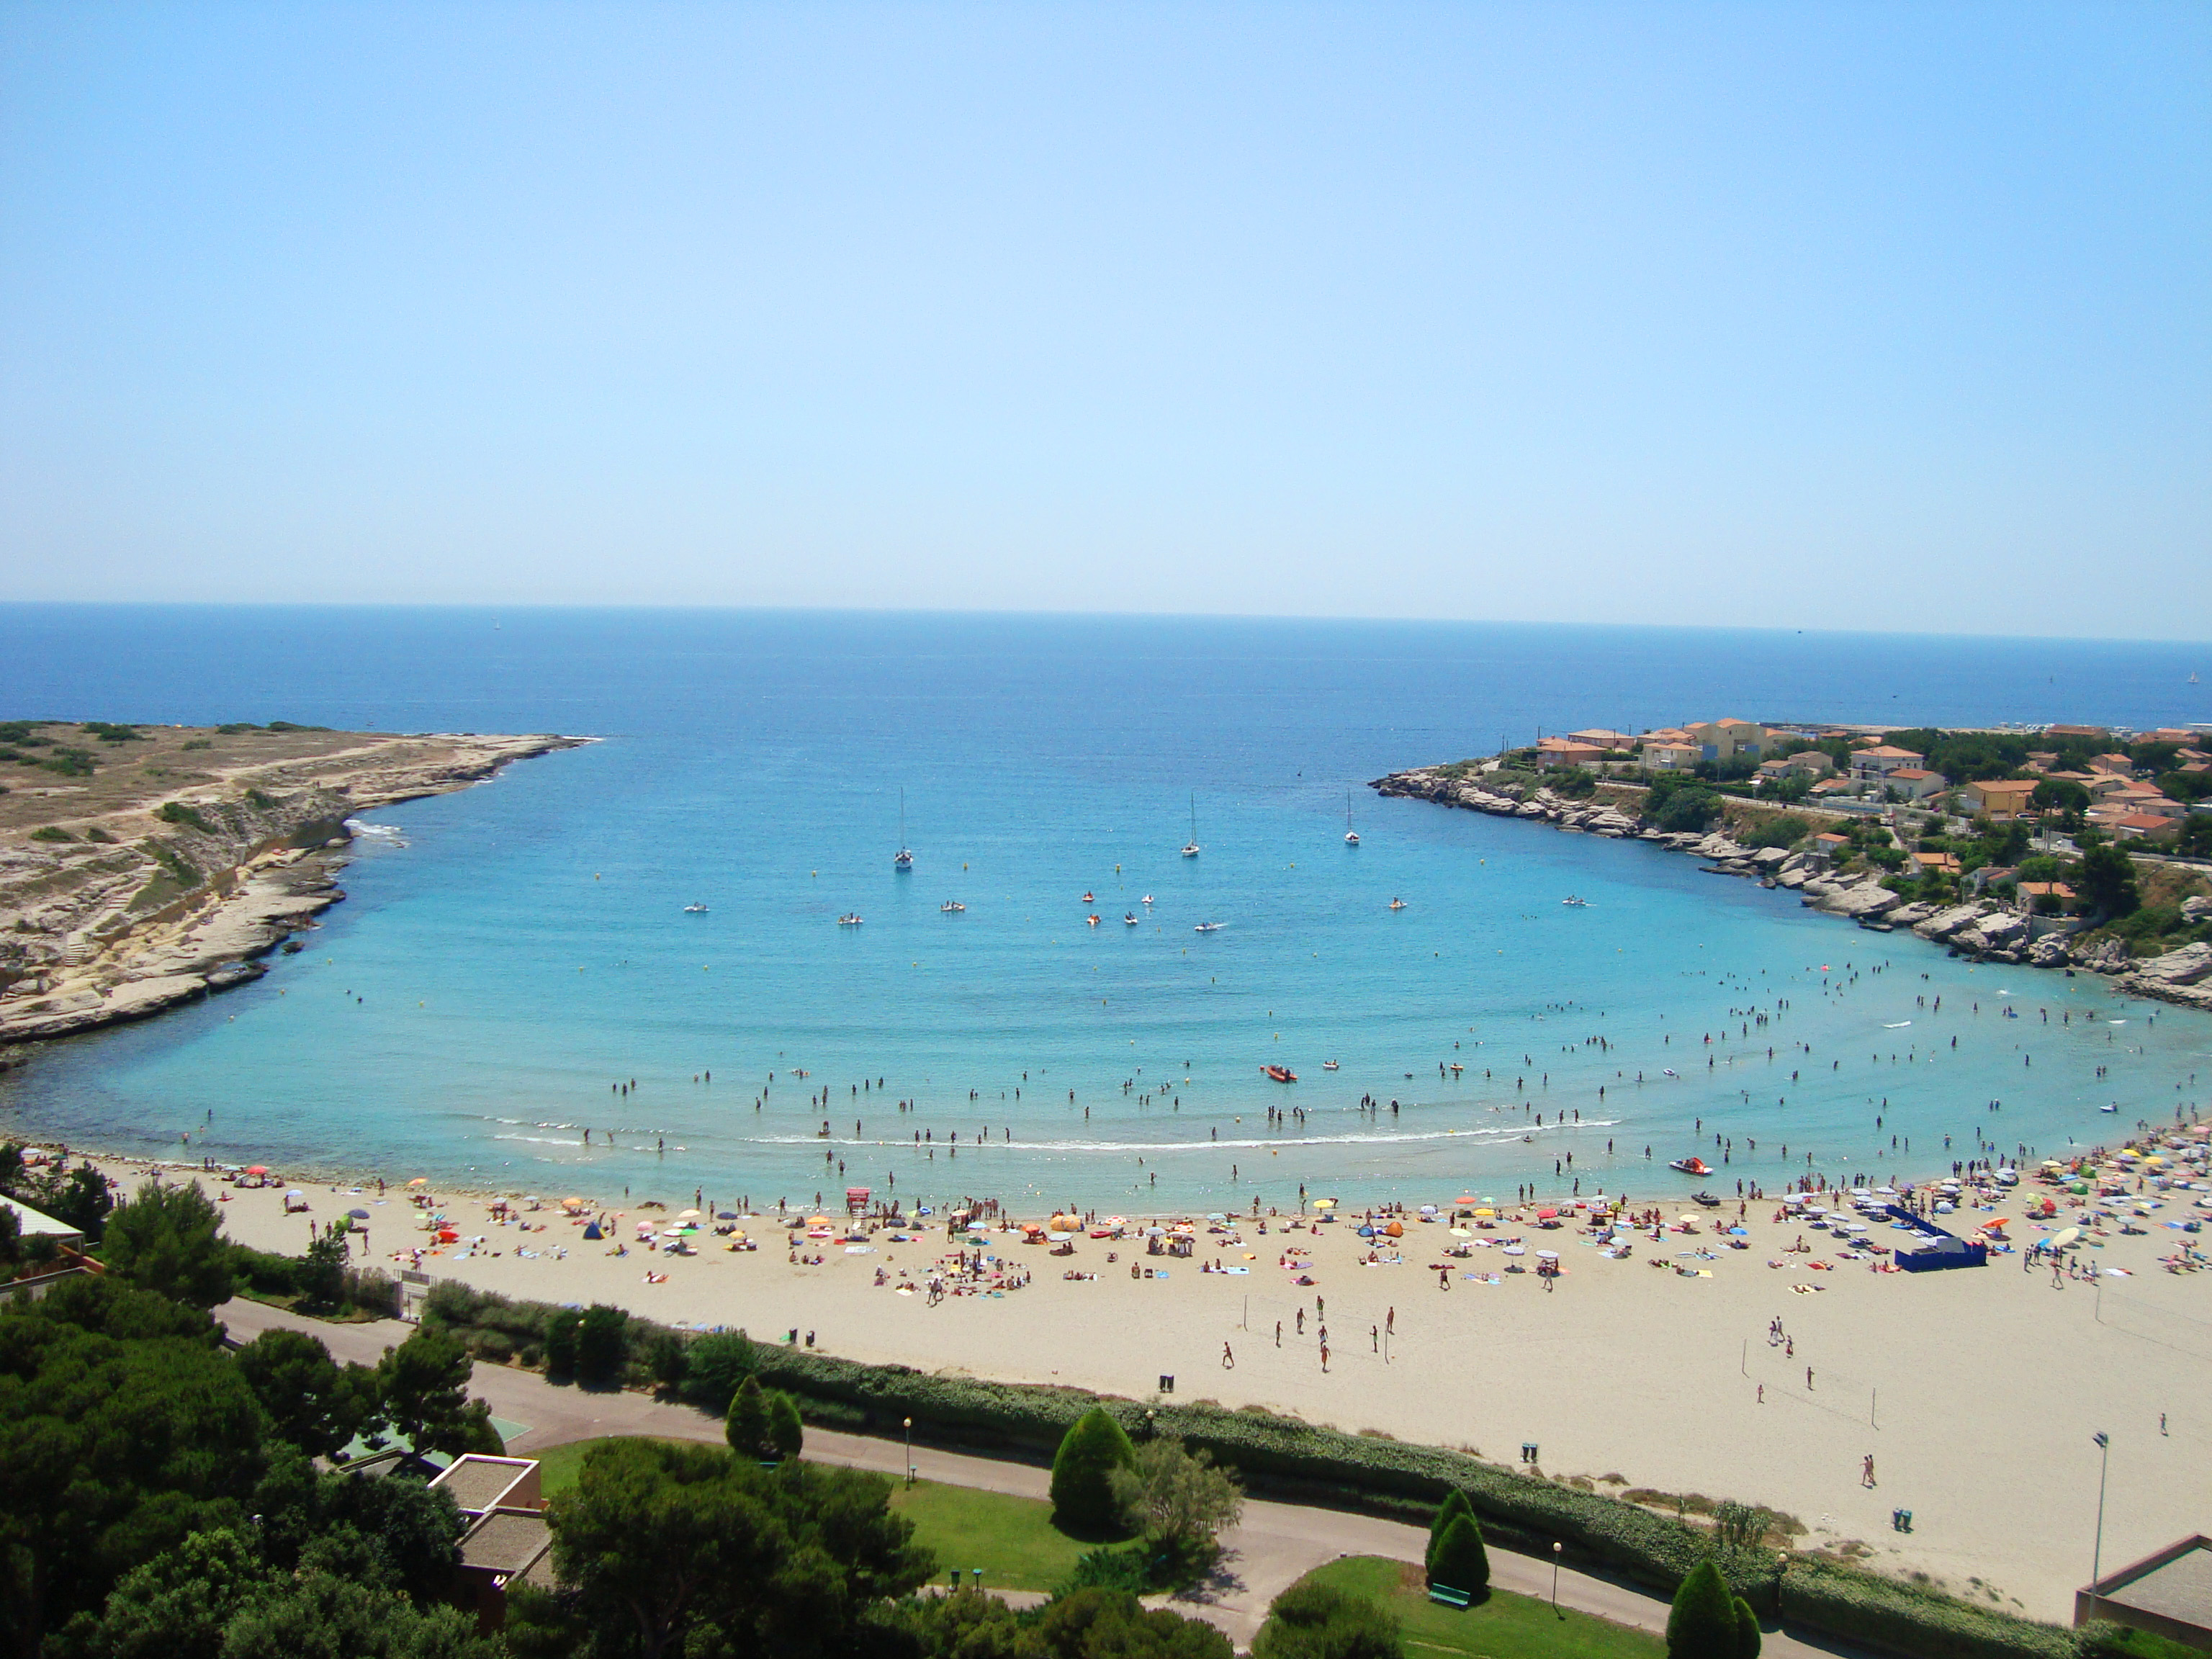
(176, 858)
(1986, 929)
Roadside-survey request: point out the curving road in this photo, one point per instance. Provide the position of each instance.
(1276, 1545)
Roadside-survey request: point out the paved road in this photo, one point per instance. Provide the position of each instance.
(1276, 1545)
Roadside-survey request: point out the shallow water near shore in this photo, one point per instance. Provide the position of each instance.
(523, 947)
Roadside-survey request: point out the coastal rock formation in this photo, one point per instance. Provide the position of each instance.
(2187, 966)
(2106, 956)
(1944, 924)
(2000, 931)
(2050, 951)
(121, 912)
(2196, 910)
(1861, 901)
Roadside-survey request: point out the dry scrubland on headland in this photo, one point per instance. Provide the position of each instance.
(142, 866)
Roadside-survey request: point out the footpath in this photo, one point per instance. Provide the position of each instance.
(1274, 1547)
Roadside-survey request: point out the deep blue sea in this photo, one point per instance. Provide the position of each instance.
(469, 1011)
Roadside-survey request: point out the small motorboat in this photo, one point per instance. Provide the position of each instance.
(2114, 1106)
(1089, 899)
(1397, 904)
(1129, 918)
(1351, 835)
(1669, 1071)
(952, 907)
(695, 909)
(1093, 919)
(1696, 1166)
(1280, 1073)
(1328, 1066)
(1706, 1200)
(1207, 928)
(1574, 903)
(850, 919)
(1147, 901)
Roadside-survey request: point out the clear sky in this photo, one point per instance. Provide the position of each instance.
(1860, 316)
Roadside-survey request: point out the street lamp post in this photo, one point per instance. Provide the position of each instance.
(2103, 1442)
(1556, 1548)
(909, 1451)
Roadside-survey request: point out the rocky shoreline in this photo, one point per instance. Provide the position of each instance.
(139, 909)
(1985, 930)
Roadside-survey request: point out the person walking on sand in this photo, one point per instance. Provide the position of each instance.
(1866, 1474)
(1278, 1333)
(1324, 1356)
(1390, 1322)
(1808, 1379)
(1762, 1394)
(1229, 1364)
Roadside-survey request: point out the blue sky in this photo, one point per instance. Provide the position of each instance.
(1858, 316)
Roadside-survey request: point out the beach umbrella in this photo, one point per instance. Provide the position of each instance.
(358, 1215)
(1686, 1218)
(1428, 1209)
(592, 1230)
(572, 1203)
(2064, 1236)
(257, 1169)
(1324, 1203)
(687, 1215)
(725, 1215)
(1739, 1232)
(1547, 1215)
(293, 1192)
(419, 1181)
(1547, 1255)
(1395, 1230)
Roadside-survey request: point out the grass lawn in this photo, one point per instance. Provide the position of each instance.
(1011, 1538)
(1506, 1626)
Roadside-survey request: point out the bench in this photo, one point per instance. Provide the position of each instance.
(1450, 1597)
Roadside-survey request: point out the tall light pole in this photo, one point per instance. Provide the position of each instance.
(2104, 1457)
(909, 1451)
(1556, 1547)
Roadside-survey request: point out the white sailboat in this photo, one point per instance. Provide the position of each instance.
(1351, 835)
(902, 859)
(1190, 848)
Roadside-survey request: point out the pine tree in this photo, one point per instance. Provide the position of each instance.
(1746, 1630)
(1703, 1625)
(1082, 1474)
(786, 1433)
(1459, 1561)
(1456, 1504)
(746, 1427)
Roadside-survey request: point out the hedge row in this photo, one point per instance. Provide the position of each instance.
(1288, 1459)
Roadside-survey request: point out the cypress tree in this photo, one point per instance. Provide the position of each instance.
(1459, 1561)
(786, 1433)
(1456, 1504)
(746, 1427)
(1746, 1630)
(1082, 1474)
(1703, 1625)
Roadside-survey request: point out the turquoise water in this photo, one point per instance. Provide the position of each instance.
(467, 1012)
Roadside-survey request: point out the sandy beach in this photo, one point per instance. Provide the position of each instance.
(1975, 1392)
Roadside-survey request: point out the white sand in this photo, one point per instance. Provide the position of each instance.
(1976, 1391)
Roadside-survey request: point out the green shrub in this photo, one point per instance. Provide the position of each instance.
(52, 832)
(1886, 1613)
(1702, 1623)
(713, 1365)
(2102, 1639)
(1123, 1567)
(560, 1327)
(95, 833)
(107, 732)
(1083, 1500)
(1459, 1561)
(601, 1348)
(1320, 1621)
(197, 743)
(1784, 830)
(175, 811)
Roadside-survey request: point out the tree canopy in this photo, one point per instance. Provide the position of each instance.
(1083, 1500)
(167, 1240)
